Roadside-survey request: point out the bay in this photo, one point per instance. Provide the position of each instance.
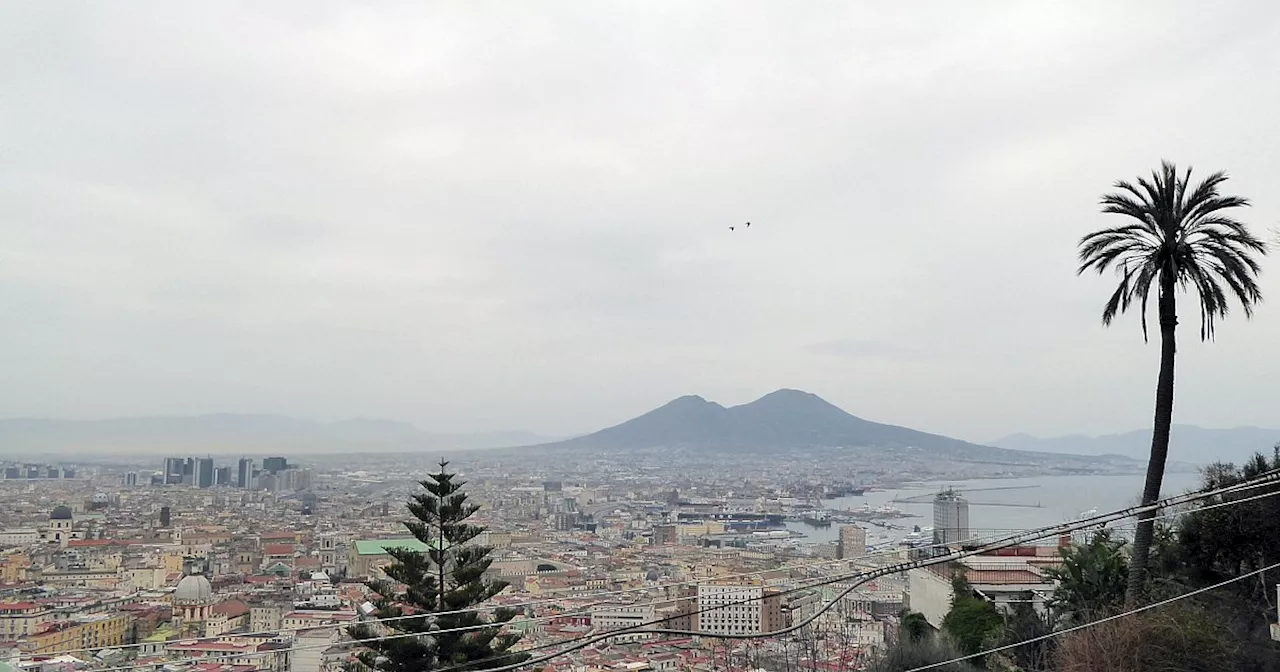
(1059, 499)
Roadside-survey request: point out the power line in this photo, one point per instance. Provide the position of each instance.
(550, 600)
(616, 632)
(1261, 480)
(587, 610)
(1100, 621)
(516, 606)
(583, 642)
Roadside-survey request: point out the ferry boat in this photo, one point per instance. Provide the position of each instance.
(921, 537)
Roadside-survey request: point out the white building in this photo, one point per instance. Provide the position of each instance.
(1002, 580)
(621, 616)
(19, 536)
(730, 609)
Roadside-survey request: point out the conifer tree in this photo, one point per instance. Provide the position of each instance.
(441, 590)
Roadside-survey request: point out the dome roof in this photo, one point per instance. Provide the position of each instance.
(60, 513)
(194, 588)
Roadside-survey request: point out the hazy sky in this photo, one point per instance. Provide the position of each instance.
(501, 215)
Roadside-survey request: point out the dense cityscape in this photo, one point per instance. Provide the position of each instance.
(260, 563)
(639, 337)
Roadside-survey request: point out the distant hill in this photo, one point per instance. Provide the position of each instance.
(1187, 443)
(779, 420)
(233, 433)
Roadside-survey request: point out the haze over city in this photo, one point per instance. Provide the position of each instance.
(639, 337)
(491, 217)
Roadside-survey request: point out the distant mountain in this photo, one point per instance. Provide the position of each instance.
(1187, 443)
(234, 433)
(780, 420)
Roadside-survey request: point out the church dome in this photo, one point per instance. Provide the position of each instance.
(194, 588)
(60, 513)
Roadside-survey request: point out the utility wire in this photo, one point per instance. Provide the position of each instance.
(1100, 621)
(587, 609)
(550, 600)
(583, 641)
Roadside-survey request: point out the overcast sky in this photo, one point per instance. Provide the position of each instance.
(478, 216)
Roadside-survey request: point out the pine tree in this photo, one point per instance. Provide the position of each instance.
(440, 586)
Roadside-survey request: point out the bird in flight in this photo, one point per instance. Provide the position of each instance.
(734, 228)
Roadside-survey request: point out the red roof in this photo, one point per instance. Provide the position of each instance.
(996, 577)
(18, 606)
(277, 535)
(232, 608)
(211, 646)
(307, 561)
(278, 549)
(223, 667)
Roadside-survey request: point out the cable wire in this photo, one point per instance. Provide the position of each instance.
(1267, 478)
(1100, 621)
(583, 642)
(550, 600)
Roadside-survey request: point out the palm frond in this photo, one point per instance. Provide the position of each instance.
(1180, 230)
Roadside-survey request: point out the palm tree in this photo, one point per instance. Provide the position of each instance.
(1181, 238)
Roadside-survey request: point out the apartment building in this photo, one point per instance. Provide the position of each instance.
(730, 608)
(22, 619)
(83, 631)
(620, 616)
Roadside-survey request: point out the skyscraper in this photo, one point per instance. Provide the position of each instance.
(272, 465)
(244, 473)
(173, 470)
(950, 518)
(852, 542)
(203, 474)
(222, 476)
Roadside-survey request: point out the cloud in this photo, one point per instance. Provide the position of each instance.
(478, 216)
(860, 349)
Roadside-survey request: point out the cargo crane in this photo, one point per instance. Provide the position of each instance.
(925, 499)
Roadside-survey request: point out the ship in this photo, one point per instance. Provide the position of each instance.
(816, 518)
(837, 491)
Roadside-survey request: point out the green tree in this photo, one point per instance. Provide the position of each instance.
(902, 656)
(1227, 541)
(1023, 623)
(914, 626)
(1092, 579)
(972, 621)
(439, 589)
(1181, 237)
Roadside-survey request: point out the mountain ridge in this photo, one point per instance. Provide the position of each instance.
(1187, 443)
(224, 433)
(787, 419)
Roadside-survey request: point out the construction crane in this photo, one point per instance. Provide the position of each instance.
(925, 499)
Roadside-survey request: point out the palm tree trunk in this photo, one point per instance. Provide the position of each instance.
(1159, 442)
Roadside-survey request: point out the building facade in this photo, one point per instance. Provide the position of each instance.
(852, 542)
(950, 518)
(730, 608)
